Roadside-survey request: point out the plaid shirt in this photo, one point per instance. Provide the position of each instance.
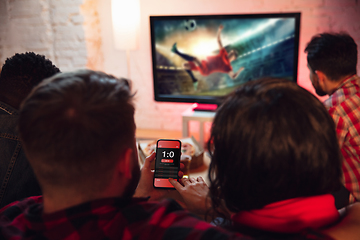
(116, 218)
(111, 218)
(344, 107)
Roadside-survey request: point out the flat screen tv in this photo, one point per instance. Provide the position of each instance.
(189, 65)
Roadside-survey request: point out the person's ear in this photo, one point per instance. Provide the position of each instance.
(125, 163)
(321, 76)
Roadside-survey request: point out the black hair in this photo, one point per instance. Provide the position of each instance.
(271, 140)
(23, 71)
(335, 54)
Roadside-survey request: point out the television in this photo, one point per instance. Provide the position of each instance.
(189, 65)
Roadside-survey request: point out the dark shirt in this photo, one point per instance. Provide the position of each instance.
(16, 175)
(110, 218)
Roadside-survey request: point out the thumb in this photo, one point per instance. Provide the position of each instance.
(148, 160)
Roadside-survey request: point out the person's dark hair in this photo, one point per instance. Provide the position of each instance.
(335, 54)
(74, 126)
(271, 140)
(23, 71)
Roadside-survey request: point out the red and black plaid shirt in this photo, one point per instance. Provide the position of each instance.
(112, 218)
(344, 107)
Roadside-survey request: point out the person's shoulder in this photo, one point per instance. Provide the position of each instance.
(223, 50)
(16, 208)
(171, 221)
(343, 102)
(5, 108)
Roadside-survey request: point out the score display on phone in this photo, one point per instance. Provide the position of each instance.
(167, 162)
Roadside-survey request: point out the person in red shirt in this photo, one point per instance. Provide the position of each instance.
(217, 63)
(332, 60)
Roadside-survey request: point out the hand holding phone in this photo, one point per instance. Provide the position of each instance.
(167, 162)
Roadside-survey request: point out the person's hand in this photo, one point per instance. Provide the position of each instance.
(221, 27)
(195, 194)
(145, 187)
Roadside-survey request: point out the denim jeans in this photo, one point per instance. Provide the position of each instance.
(16, 175)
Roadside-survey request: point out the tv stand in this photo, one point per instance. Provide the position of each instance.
(205, 107)
(201, 117)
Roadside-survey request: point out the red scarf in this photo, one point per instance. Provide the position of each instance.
(292, 215)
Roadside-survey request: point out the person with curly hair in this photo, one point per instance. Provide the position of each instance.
(19, 74)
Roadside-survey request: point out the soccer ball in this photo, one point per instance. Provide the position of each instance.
(190, 25)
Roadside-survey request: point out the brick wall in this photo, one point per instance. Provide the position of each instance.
(53, 28)
(77, 34)
(25, 26)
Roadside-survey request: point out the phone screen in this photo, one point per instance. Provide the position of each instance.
(167, 162)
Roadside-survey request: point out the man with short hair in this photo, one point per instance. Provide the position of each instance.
(18, 76)
(78, 132)
(332, 60)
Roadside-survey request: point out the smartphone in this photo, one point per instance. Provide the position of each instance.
(167, 162)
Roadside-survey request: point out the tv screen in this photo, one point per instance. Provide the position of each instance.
(201, 58)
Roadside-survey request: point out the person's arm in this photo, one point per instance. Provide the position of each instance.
(349, 227)
(219, 36)
(233, 75)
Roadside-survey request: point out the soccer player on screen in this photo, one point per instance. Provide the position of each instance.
(218, 63)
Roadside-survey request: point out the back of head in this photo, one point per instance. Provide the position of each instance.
(335, 54)
(272, 140)
(74, 126)
(22, 72)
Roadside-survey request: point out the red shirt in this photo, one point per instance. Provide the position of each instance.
(344, 107)
(217, 63)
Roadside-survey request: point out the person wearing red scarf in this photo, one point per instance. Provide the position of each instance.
(275, 163)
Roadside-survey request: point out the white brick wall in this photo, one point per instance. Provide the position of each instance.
(49, 27)
(77, 33)
(25, 27)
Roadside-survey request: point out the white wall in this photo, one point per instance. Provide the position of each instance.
(317, 16)
(53, 28)
(78, 33)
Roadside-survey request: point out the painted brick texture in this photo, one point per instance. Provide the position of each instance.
(77, 33)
